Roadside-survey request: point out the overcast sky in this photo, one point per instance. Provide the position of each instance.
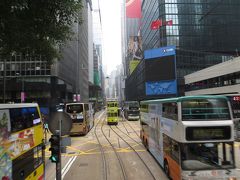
(111, 27)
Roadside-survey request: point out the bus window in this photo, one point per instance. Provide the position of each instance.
(205, 109)
(37, 156)
(170, 111)
(171, 148)
(207, 156)
(23, 118)
(78, 108)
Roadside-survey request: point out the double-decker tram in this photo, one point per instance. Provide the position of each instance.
(21, 142)
(112, 112)
(191, 137)
(82, 117)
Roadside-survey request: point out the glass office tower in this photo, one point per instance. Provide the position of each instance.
(205, 32)
(201, 25)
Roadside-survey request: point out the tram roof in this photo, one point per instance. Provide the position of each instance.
(179, 99)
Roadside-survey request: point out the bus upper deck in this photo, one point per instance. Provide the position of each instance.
(21, 142)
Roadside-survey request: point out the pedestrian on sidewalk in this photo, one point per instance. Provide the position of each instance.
(45, 124)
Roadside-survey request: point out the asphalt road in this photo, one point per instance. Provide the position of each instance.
(107, 153)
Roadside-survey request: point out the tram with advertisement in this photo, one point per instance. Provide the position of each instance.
(191, 137)
(112, 112)
(21, 142)
(82, 117)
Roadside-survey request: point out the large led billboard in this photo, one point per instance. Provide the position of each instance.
(160, 71)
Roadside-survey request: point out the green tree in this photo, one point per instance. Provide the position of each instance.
(37, 27)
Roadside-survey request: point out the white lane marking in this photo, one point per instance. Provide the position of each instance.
(71, 160)
(63, 169)
(68, 167)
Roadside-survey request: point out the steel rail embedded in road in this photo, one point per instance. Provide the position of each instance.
(129, 126)
(105, 172)
(117, 155)
(144, 163)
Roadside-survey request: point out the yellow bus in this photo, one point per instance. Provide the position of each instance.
(21, 142)
(82, 117)
(112, 112)
(191, 137)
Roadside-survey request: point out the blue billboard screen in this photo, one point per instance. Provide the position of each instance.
(161, 87)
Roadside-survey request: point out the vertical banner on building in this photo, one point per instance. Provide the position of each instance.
(78, 97)
(135, 53)
(133, 9)
(74, 97)
(135, 48)
(22, 97)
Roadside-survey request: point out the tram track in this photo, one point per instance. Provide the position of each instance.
(144, 163)
(105, 169)
(125, 120)
(116, 153)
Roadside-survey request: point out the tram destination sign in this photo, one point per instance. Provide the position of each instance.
(208, 133)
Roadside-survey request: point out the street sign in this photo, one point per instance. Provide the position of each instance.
(66, 125)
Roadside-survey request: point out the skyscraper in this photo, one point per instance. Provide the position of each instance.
(203, 32)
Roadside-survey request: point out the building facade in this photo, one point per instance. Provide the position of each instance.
(45, 83)
(209, 26)
(223, 78)
(195, 28)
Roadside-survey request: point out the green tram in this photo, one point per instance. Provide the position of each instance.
(112, 112)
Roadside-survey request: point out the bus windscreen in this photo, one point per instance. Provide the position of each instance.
(77, 108)
(205, 109)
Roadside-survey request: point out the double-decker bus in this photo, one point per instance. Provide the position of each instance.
(235, 105)
(21, 142)
(82, 117)
(131, 110)
(191, 137)
(112, 112)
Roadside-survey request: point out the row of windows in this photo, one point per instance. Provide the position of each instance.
(112, 114)
(226, 80)
(25, 68)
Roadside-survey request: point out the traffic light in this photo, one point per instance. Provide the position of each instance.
(55, 148)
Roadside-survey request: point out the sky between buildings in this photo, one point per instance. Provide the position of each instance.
(111, 27)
